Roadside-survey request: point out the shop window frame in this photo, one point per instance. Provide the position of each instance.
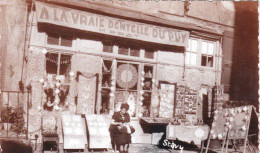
(106, 87)
(150, 91)
(142, 52)
(59, 46)
(208, 54)
(58, 65)
(140, 66)
(64, 84)
(189, 51)
(130, 90)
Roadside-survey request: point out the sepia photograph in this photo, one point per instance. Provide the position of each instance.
(129, 76)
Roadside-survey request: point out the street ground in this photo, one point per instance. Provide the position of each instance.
(17, 146)
(148, 148)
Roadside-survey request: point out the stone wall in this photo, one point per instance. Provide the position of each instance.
(216, 15)
(13, 20)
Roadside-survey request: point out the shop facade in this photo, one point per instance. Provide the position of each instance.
(82, 62)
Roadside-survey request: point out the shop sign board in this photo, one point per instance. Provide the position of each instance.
(82, 20)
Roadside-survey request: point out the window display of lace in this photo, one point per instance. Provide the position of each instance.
(55, 91)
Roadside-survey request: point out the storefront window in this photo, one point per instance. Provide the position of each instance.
(130, 51)
(123, 50)
(52, 63)
(135, 52)
(60, 40)
(57, 83)
(53, 39)
(126, 86)
(149, 54)
(147, 88)
(57, 63)
(106, 83)
(127, 77)
(107, 47)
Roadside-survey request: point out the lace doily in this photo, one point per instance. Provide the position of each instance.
(194, 79)
(127, 76)
(171, 74)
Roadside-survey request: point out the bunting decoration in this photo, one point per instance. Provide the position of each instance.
(53, 58)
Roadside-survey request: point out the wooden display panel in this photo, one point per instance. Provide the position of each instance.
(74, 131)
(99, 136)
(230, 124)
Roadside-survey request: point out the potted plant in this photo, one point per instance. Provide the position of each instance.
(18, 118)
(7, 117)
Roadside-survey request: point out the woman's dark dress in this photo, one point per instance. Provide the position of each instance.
(117, 136)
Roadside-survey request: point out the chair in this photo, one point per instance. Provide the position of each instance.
(50, 137)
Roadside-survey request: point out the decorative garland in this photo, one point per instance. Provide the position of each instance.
(105, 68)
(141, 94)
(112, 90)
(88, 75)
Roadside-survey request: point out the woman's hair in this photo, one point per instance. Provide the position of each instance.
(125, 105)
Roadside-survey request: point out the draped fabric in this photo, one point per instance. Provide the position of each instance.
(87, 75)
